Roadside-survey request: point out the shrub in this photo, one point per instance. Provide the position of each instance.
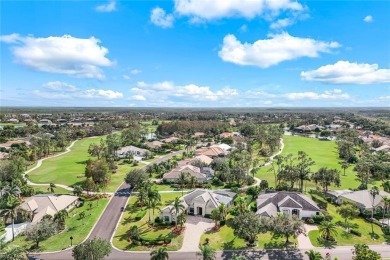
(355, 232)
(173, 223)
(207, 216)
(167, 240)
(158, 220)
(140, 215)
(309, 221)
(222, 222)
(318, 219)
(217, 182)
(328, 218)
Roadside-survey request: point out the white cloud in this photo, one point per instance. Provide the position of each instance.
(62, 90)
(345, 72)
(59, 86)
(268, 52)
(63, 55)
(368, 19)
(160, 18)
(135, 71)
(108, 7)
(212, 9)
(101, 93)
(334, 94)
(385, 98)
(281, 23)
(165, 89)
(244, 28)
(138, 98)
(126, 77)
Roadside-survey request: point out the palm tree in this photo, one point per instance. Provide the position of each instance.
(177, 206)
(374, 192)
(207, 253)
(183, 177)
(238, 257)
(327, 230)
(11, 190)
(344, 165)
(193, 181)
(154, 204)
(77, 190)
(223, 211)
(159, 254)
(60, 217)
(51, 188)
(241, 206)
(134, 233)
(152, 195)
(181, 219)
(314, 255)
(14, 253)
(11, 212)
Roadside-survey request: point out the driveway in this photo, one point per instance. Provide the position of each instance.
(303, 239)
(195, 226)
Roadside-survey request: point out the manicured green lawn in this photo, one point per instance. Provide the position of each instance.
(224, 239)
(343, 238)
(68, 169)
(324, 153)
(120, 239)
(75, 227)
(44, 190)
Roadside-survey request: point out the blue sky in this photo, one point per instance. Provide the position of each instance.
(190, 53)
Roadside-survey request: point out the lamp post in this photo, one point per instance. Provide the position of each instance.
(71, 239)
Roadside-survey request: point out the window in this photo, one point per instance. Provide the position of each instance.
(286, 211)
(166, 218)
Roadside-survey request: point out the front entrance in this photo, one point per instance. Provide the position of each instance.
(295, 212)
(200, 211)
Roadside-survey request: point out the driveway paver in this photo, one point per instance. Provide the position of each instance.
(195, 226)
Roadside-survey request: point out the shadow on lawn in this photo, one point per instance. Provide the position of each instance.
(326, 243)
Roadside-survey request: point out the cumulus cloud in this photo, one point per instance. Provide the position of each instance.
(160, 18)
(63, 55)
(268, 52)
(345, 72)
(335, 94)
(106, 8)
(59, 86)
(166, 89)
(62, 90)
(211, 9)
(385, 98)
(126, 77)
(135, 71)
(138, 98)
(368, 19)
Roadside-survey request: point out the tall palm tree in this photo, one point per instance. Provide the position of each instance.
(344, 165)
(207, 253)
(11, 211)
(215, 216)
(134, 233)
(386, 209)
(60, 217)
(159, 254)
(177, 206)
(374, 192)
(327, 230)
(154, 204)
(152, 195)
(51, 188)
(193, 181)
(183, 178)
(223, 211)
(181, 219)
(314, 255)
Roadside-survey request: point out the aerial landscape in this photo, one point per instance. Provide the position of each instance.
(194, 129)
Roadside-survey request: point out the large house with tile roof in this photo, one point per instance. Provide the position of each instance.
(292, 203)
(199, 202)
(40, 205)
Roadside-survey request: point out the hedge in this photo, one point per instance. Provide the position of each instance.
(140, 215)
(355, 232)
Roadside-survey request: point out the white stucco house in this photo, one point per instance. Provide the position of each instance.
(124, 152)
(292, 203)
(199, 202)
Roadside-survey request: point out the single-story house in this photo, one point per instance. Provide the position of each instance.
(204, 159)
(292, 203)
(211, 152)
(198, 135)
(224, 147)
(127, 150)
(41, 205)
(154, 144)
(171, 139)
(199, 202)
(363, 199)
(174, 174)
(383, 148)
(45, 122)
(307, 128)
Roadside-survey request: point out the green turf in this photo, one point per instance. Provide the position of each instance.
(224, 239)
(68, 169)
(324, 153)
(343, 238)
(44, 190)
(75, 227)
(120, 239)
